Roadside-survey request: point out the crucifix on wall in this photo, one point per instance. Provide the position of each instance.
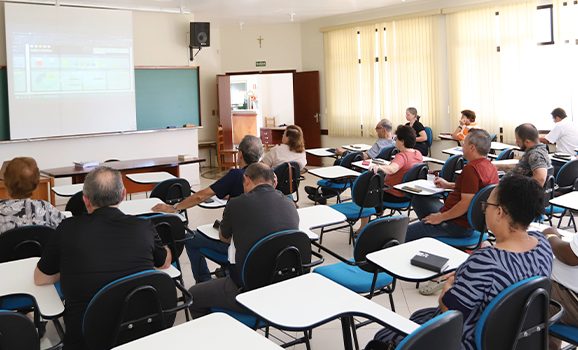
(260, 40)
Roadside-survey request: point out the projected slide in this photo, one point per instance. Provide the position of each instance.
(70, 71)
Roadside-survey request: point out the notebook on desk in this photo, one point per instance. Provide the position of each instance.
(430, 261)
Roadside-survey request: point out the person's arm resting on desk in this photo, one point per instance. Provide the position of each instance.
(566, 252)
(188, 202)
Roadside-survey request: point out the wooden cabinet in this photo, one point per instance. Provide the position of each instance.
(41, 192)
(272, 136)
(244, 123)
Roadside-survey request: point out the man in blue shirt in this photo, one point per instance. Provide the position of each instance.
(230, 185)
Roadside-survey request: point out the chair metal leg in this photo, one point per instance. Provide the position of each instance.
(354, 333)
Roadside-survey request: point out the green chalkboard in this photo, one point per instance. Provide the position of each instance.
(164, 97)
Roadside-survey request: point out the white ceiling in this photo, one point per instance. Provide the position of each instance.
(249, 11)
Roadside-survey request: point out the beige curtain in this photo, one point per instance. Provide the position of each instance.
(342, 82)
(408, 77)
(473, 66)
(367, 97)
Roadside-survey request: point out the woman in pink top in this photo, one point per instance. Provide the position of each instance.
(292, 149)
(401, 163)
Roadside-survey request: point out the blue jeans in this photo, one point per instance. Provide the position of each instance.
(423, 206)
(193, 245)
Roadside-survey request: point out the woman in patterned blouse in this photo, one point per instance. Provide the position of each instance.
(21, 178)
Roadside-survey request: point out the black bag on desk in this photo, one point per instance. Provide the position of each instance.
(430, 261)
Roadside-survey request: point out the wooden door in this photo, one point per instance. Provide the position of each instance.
(306, 105)
(224, 100)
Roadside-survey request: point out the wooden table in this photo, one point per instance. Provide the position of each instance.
(216, 331)
(396, 260)
(167, 164)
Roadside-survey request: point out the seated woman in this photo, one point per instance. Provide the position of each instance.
(421, 141)
(517, 255)
(21, 178)
(401, 163)
(292, 149)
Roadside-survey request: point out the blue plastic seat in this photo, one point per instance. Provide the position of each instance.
(352, 277)
(565, 332)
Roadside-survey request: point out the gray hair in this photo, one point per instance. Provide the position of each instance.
(481, 140)
(251, 149)
(412, 111)
(103, 187)
(260, 172)
(386, 124)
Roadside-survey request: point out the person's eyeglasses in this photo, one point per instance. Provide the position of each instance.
(485, 204)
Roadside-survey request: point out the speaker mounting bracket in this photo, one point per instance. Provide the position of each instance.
(193, 54)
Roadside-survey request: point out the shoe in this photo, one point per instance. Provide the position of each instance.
(431, 287)
(310, 190)
(317, 198)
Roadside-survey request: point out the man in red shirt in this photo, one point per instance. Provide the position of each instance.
(450, 217)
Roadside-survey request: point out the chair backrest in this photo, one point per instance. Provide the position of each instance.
(172, 191)
(76, 205)
(349, 158)
(454, 163)
(17, 332)
(367, 190)
(549, 190)
(275, 258)
(476, 217)
(517, 318)
(387, 152)
(129, 308)
(288, 175)
(378, 234)
(429, 134)
(441, 332)
(416, 172)
(270, 122)
(567, 176)
(506, 153)
(24, 242)
(171, 230)
(493, 137)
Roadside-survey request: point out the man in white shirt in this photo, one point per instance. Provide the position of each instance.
(564, 278)
(564, 133)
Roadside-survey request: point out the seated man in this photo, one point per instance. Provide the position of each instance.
(564, 279)
(517, 255)
(467, 123)
(90, 251)
(450, 218)
(230, 185)
(564, 133)
(384, 131)
(257, 213)
(535, 162)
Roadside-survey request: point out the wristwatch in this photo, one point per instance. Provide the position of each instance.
(550, 235)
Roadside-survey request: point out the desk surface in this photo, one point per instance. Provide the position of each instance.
(334, 172)
(141, 206)
(364, 164)
(428, 188)
(153, 177)
(67, 190)
(553, 156)
(396, 260)
(19, 279)
(320, 152)
(309, 218)
(214, 204)
(568, 201)
(498, 146)
(311, 300)
(358, 147)
(121, 165)
(215, 331)
(433, 160)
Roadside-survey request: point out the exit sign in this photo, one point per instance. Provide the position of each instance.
(261, 64)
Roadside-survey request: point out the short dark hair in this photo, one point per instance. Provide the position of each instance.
(251, 149)
(481, 139)
(260, 172)
(522, 198)
(21, 177)
(471, 115)
(406, 134)
(103, 187)
(527, 132)
(559, 112)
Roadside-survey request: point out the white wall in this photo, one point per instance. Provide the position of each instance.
(277, 101)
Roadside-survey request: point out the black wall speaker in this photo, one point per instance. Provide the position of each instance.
(200, 34)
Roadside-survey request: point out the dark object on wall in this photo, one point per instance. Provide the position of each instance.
(200, 34)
